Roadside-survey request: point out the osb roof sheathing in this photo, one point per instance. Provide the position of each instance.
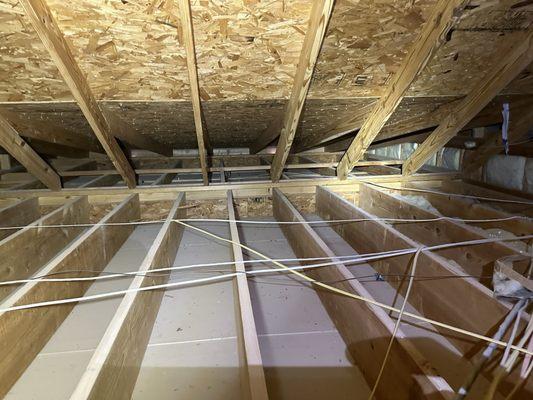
(248, 49)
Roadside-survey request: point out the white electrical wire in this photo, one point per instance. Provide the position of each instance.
(284, 268)
(467, 196)
(260, 222)
(351, 259)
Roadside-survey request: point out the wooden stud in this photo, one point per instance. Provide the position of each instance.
(115, 364)
(51, 36)
(445, 15)
(29, 249)
(248, 341)
(31, 329)
(24, 154)
(201, 133)
(318, 22)
(509, 65)
(407, 373)
(19, 214)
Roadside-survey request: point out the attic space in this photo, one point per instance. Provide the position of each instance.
(266, 199)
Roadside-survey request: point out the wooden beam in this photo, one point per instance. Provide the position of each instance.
(36, 184)
(167, 177)
(51, 36)
(102, 181)
(247, 334)
(472, 260)
(218, 191)
(477, 261)
(264, 167)
(438, 299)
(21, 213)
(46, 131)
(29, 249)
(24, 154)
(318, 22)
(326, 171)
(360, 323)
(115, 364)
(31, 329)
(509, 65)
(471, 189)
(452, 206)
(445, 15)
(201, 133)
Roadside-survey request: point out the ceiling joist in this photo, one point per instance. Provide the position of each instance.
(11, 141)
(44, 23)
(444, 17)
(510, 65)
(318, 21)
(201, 132)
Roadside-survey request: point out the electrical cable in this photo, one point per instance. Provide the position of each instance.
(468, 196)
(294, 271)
(397, 324)
(259, 222)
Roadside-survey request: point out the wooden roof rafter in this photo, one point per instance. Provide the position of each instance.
(11, 141)
(445, 15)
(318, 22)
(519, 56)
(50, 34)
(202, 138)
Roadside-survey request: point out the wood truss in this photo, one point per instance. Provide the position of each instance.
(117, 363)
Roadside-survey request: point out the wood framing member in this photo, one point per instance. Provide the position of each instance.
(509, 65)
(408, 375)
(477, 261)
(36, 184)
(44, 23)
(30, 329)
(445, 14)
(102, 181)
(438, 299)
(166, 177)
(19, 214)
(24, 154)
(470, 189)
(255, 386)
(452, 206)
(218, 191)
(264, 167)
(201, 132)
(30, 248)
(115, 364)
(326, 171)
(318, 22)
